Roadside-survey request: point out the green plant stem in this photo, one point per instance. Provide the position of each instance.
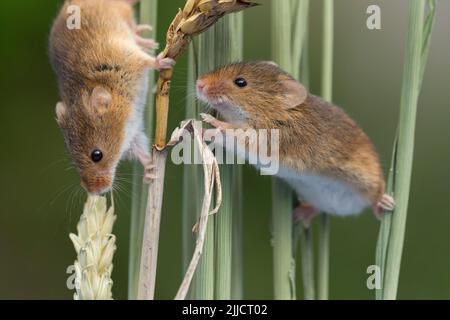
(224, 236)
(204, 279)
(289, 40)
(237, 275)
(192, 187)
(324, 257)
(416, 54)
(228, 37)
(305, 235)
(147, 15)
(308, 264)
(385, 226)
(282, 228)
(282, 241)
(328, 44)
(327, 94)
(224, 219)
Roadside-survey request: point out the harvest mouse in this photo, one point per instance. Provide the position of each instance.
(326, 158)
(102, 70)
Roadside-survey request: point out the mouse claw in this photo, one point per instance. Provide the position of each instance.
(220, 125)
(149, 174)
(164, 63)
(148, 44)
(304, 213)
(148, 178)
(146, 161)
(207, 118)
(139, 29)
(386, 203)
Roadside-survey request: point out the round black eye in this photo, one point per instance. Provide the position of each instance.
(96, 155)
(240, 82)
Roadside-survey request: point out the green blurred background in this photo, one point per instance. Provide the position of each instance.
(40, 198)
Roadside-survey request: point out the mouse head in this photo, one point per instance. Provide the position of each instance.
(94, 129)
(243, 91)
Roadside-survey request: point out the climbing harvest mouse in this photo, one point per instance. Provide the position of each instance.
(102, 70)
(326, 158)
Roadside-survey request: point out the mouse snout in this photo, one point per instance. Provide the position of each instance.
(97, 185)
(209, 91)
(200, 85)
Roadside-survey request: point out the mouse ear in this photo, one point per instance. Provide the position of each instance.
(294, 92)
(271, 63)
(60, 111)
(100, 99)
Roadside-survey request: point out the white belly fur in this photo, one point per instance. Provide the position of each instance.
(326, 195)
(135, 123)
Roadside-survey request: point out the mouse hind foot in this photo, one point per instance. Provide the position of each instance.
(140, 152)
(158, 63)
(144, 43)
(304, 213)
(386, 203)
(132, 2)
(141, 28)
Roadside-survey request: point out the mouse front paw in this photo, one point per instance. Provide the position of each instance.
(139, 29)
(147, 162)
(149, 173)
(215, 122)
(149, 168)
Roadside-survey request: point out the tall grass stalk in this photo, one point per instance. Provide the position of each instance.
(289, 25)
(224, 235)
(327, 94)
(229, 45)
(237, 268)
(282, 235)
(392, 230)
(236, 48)
(305, 234)
(147, 15)
(307, 251)
(192, 174)
(205, 279)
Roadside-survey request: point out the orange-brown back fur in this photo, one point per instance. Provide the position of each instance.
(315, 136)
(96, 56)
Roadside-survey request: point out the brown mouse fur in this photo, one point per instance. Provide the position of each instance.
(102, 76)
(316, 137)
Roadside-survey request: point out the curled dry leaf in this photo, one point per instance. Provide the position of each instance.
(196, 17)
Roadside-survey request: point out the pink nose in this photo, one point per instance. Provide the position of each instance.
(200, 85)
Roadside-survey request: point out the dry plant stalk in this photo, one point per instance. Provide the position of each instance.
(211, 179)
(196, 17)
(95, 247)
